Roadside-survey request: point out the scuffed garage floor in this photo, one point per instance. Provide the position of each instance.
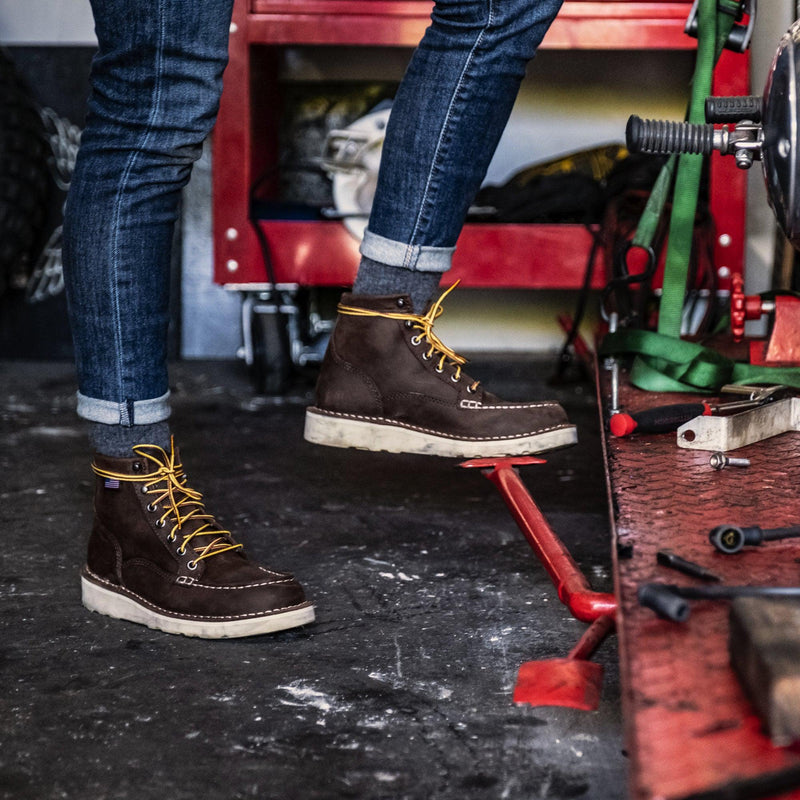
(428, 600)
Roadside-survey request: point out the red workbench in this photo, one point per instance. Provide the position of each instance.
(690, 730)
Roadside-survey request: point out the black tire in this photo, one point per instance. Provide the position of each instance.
(272, 365)
(25, 182)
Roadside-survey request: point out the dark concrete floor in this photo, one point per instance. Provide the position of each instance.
(428, 600)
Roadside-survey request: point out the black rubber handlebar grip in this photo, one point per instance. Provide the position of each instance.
(664, 137)
(733, 109)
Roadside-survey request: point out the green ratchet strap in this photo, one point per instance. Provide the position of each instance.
(715, 19)
(713, 31)
(666, 364)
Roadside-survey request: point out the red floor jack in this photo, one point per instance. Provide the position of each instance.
(573, 681)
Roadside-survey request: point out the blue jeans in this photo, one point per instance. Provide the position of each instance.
(156, 83)
(447, 118)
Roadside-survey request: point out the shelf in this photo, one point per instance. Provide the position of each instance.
(487, 255)
(623, 25)
(323, 253)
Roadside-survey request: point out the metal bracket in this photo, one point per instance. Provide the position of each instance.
(740, 35)
(281, 299)
(721, 434)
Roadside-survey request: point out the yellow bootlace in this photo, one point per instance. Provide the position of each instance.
(424, 324)
(181, 504)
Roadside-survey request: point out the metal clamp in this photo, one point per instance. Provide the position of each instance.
(740, 35)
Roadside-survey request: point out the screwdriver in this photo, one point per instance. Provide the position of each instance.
(660, 419)
(663, 419)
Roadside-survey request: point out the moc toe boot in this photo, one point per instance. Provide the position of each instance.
(156, 557)
(388, 383)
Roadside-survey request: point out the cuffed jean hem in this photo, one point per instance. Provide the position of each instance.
(132, 412)
(415, 257)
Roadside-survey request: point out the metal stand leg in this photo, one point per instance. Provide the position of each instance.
(573, 681)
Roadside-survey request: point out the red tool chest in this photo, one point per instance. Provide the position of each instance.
(317, 252)
(322, 252)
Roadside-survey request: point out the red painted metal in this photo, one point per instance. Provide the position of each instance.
(567, 682)
(593, 637)
(743, 307)
(574, 681)
(728, 198)
(783, 346)
(573, 588)
(543, 256)
(782, 349)
(628, 25)
(689, 726)
(245, 140)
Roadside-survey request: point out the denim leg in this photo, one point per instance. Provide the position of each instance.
(156, 82)
(447, 118)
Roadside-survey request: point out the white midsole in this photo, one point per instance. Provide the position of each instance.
(114, 604)
(365, 435)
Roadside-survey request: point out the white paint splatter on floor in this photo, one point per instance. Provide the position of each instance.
(306, 696)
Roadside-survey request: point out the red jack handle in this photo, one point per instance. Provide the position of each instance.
(573, 588)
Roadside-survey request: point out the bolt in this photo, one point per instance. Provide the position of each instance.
(612, 364)
(744, 159)
(614, 388)
(720, 460)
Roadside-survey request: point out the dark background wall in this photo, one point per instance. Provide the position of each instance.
(57, 78)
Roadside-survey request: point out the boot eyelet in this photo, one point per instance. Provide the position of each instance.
(416, 340)
(408, 323)
(151, 507)
(454, 379)
(426, 357)
(145, 490)
(439, 370)
(470, 390)
(172, 537)
(160, 523)
(191, 565)
(401, 301)
(137, 466)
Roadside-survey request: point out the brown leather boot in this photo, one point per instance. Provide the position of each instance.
(156, 557)
(388, 383)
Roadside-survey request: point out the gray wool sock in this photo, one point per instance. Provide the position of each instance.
(374, 278)
(117, 441)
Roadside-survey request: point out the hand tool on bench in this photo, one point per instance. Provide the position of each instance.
(670, 559)
(723, 433)
(763, 644)
(663, 419)
(669, 600)
(730, 539)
